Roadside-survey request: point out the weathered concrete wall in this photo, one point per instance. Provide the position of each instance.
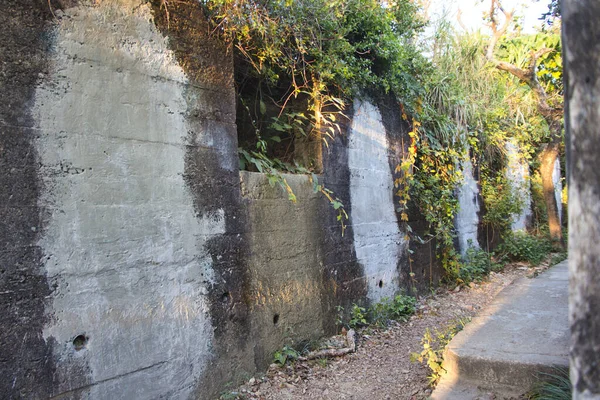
(378, 241)
(124, 173)
(417, 265)
(25, 368)
(284, 264)
(557, 181)
(124, 246)
(133, 265)
(343, 276)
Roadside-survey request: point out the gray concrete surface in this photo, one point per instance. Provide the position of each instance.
(523, 332)
(284, 264)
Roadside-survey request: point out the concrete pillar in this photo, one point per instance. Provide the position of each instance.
(581, 44)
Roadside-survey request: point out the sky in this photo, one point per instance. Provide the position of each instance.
(472, 11)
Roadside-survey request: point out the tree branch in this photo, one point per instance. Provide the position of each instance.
(497, 32)
(535, 55)
(528, 75)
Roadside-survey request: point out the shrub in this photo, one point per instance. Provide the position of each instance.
(520, 246)
(476, 265)
(397, 309)
(381, 313)
(358, 317)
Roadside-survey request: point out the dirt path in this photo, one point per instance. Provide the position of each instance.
(381, 367)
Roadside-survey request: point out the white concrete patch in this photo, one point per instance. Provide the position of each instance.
(123, 242)
(517, 174)
(467, 218)
(556, 179)
(377, 237)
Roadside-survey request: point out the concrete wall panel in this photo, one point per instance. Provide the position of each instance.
(467, 218)
(124, 246)
(377, 237)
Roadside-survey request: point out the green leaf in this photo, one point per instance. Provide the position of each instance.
(263, 107)
(272, 180)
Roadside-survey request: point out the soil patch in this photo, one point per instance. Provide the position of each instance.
(381, 367)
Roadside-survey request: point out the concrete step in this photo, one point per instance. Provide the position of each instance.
(523, 332)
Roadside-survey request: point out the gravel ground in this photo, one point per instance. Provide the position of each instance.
(381, 366)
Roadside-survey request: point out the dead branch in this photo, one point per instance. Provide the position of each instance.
(460, 21)
(497, 32)
(350, 348)
(165, 4)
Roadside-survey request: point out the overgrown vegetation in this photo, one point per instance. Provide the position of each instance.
(477, 264)
(379, 314)
(297, 63)
(434, 344)
(521, 246)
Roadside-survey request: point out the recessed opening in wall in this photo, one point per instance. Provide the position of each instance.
(275, 319)
(380, 284)
(225, 297)
(279, 128)
(80, 342)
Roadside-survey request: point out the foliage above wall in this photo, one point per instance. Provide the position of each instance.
(298, 62)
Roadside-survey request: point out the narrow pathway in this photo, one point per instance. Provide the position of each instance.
(522, 333)
(381, 367)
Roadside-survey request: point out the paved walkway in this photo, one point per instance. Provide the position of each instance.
(523, 332)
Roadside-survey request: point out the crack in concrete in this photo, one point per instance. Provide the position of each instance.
(79, 389)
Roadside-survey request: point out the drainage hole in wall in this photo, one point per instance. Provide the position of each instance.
(380, 284)
(275, 319)
(225, 297)
(80, 342)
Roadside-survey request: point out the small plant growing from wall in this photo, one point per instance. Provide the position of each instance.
(285, 355)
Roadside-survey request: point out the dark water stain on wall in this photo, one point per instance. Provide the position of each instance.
(421, 262)
(344, 282)
(26, 367)
(212, 175)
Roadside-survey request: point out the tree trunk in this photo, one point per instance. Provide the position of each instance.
(548, 158)
(581, 50)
